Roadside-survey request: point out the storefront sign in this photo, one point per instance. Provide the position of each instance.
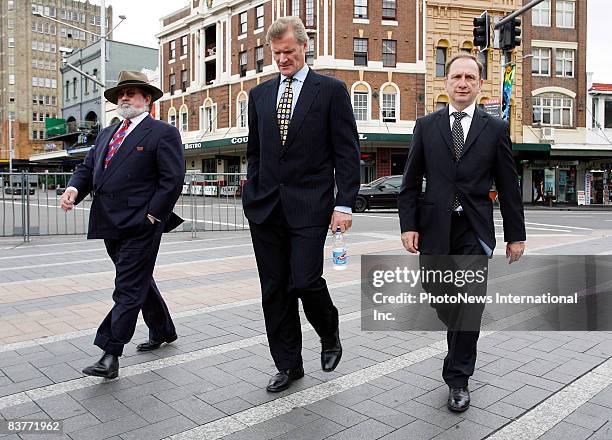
(549, 182)
(581, 198)
(493, 107)
(588, 181)
(240, 140)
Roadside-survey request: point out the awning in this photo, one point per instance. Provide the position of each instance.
(47, 156)
(241, 140)
(531, 147)
(80, 150)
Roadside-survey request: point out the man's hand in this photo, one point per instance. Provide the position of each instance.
(514, 251)
(410, 240)
(67, 199)
(341, 220)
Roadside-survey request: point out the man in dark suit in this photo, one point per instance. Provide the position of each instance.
(135, 174)
(302, 139)
(461, 150)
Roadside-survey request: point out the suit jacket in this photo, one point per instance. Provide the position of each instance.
(322, 147)
(145, 176)
(486, 157)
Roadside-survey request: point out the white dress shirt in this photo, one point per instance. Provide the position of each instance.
(466, 122)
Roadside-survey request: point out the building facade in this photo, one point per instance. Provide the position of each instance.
(450, 31)
(598, 174)
(30, 60)
(554, 107)
(78, 124)
(212, 53)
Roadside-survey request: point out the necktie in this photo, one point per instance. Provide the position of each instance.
(283, 111)
(458, 142)
(116, 141)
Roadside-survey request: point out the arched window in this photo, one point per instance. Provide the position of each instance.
(183, 118)
(441, 102)
(172, 116)
(208, 116)
(440, 57)
(242, 113)
(467, 47)
(361, 101)
(554, 109)
(389, 102)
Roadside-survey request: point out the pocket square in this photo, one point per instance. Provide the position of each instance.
(139, 148)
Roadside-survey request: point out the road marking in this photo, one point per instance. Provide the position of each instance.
(187, 313)
(393, 216)
(557, 407)
(244, 226)
(97, 249)
(559, 226)
(97, 260)
(76, 208)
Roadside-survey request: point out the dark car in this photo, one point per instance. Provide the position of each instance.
(380, 193)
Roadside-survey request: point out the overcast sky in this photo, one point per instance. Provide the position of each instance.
(143, 23)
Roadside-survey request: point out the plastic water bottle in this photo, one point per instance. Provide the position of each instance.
(339, 254)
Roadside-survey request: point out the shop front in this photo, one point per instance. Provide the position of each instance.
(597, 184)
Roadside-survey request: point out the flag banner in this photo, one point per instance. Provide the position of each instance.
(507, 90)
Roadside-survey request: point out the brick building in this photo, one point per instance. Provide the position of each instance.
(554, 105)
(212, 53)
(30, 61)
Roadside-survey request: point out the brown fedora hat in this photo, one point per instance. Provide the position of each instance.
(129, 78)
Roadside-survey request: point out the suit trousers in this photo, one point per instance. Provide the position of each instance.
(135, 290)
(462, 319)
(290, 265)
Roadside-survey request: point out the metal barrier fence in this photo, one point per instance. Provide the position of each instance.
(30, 205)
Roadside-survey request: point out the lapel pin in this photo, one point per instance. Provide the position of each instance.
(139, 148)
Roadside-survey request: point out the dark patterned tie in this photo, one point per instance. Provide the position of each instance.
(283, 111)
(458, 142)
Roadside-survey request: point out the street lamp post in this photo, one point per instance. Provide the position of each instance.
(102, 36)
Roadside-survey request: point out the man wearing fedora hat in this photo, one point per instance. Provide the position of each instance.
(135, 174)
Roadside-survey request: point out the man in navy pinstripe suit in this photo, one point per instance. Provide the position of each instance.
(302, 140)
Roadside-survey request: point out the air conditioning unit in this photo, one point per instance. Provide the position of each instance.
(548, 134)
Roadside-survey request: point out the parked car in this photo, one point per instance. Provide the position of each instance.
(16, 190)
(380, 193)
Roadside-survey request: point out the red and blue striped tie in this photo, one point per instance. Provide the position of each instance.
(116, 141)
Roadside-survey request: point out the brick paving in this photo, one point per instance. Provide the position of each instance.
(211, 382)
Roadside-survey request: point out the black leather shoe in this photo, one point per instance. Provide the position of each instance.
(458, 399)
(152, 344)
(107, 366)
(331, 352)
(281, 380)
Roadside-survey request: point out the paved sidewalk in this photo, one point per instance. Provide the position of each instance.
(210, 383)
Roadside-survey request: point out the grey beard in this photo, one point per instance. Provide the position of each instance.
(130, 112)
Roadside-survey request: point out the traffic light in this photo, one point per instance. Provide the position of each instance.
(515, 31)
(510, 35)
(482, 26)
